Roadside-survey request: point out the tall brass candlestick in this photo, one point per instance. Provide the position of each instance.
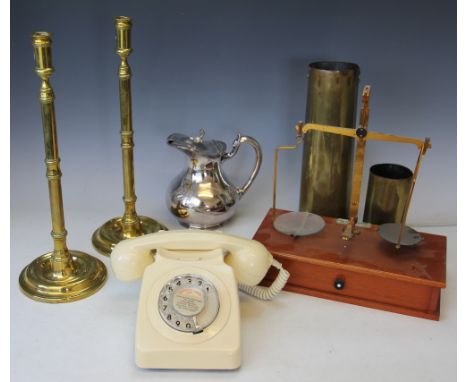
(62, 275)
(130, 224)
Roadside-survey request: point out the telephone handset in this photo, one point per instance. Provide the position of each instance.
(188, 313)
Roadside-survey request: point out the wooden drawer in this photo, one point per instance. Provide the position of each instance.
(361, 289)
(364, 271)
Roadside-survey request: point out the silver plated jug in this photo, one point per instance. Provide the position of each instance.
(202, 196)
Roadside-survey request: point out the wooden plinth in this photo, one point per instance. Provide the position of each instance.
(371, 271)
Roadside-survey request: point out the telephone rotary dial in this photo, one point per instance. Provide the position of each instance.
(188, 303)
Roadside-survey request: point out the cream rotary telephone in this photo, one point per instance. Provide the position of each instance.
(188, 314)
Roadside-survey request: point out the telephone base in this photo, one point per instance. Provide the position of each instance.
(215, 359)
(111, 232)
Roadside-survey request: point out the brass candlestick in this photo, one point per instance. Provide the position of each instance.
(130, 224)
(61, 275)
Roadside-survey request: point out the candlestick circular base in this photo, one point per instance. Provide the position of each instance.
(111, 232)
(39, 282)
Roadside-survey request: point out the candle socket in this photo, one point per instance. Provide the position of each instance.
(130, 224)
(61, 275)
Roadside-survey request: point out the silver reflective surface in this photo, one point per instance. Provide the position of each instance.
(202, 196)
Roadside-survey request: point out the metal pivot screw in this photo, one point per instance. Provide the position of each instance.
(361, 132)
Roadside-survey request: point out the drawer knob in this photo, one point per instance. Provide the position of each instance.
(339, 284)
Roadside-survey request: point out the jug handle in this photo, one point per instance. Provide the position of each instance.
(258, 159)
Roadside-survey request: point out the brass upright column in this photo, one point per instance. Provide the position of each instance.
(130, 224)
(327, 158)
(61, 275)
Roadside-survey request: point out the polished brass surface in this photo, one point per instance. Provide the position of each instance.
(41, 282)
(423, 146)
(275, 164)
(422, 151)
(387, 193)
(111, 232)
(361, 132)
(61, 275)
(327, 158)
(361, 135)
(294, 223)
(130, 224)
(371, 135)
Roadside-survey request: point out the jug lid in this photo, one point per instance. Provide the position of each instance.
(196, 146)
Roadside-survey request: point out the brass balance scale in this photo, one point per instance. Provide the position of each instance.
(390, 267)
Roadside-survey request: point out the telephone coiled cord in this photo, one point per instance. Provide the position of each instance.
(268, 293)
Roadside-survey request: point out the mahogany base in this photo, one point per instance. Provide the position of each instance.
(365, 270)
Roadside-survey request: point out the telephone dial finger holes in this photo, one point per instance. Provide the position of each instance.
(188, 303)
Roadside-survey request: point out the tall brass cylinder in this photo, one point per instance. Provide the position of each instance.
(387, 192)
(327, 158)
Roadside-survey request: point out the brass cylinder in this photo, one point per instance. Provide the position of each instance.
(327, 158)
(387, 192)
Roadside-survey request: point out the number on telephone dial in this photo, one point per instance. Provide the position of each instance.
(188, 313)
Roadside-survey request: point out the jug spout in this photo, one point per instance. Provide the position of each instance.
(185, 143)
(196, 147)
